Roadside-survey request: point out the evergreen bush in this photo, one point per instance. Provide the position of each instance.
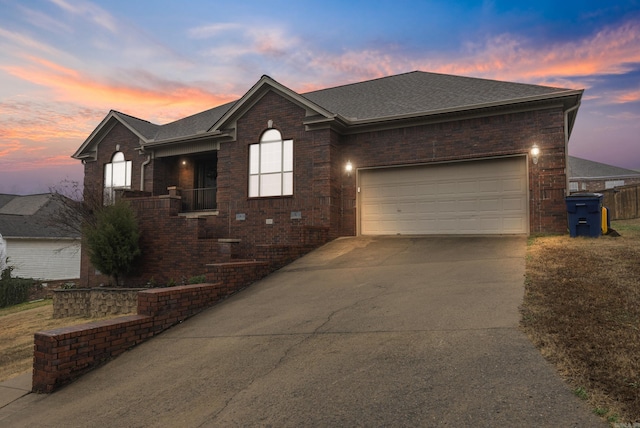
(113, 240)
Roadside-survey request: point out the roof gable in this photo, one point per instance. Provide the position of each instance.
(143, 129)
(264, 85)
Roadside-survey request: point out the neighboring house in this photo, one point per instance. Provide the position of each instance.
(590, 176)
(36, 246)
(416, 153)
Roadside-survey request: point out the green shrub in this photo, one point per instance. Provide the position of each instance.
(198, 279)
(113, 240)
(13, 290)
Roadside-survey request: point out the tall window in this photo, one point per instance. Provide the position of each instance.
(117, 175)
(271, 166)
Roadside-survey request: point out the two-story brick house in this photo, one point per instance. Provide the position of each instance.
(277, 173)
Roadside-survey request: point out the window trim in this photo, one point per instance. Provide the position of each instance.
(267, 173)
(117, 160)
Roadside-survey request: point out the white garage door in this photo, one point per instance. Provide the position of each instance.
(478, 197)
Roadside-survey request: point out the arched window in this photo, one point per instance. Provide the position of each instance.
(271, 166)
(117, 175)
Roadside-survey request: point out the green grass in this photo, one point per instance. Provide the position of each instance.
(625, 226)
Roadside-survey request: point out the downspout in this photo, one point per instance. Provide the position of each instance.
(144, 164)
(566, 146)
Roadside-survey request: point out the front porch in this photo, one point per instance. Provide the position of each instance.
(198, 201)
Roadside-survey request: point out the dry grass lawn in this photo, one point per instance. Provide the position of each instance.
(19, 323)
(582, 310)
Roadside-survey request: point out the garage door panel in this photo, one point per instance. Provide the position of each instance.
(513, 185)
(468, 206)
(447, 188)
(477, 197)
(490, 205)
(468, 186)
(514, 204)
(489, 186)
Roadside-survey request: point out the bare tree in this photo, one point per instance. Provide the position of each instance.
(76, 206)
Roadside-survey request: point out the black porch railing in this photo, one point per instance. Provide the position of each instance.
(198, 199)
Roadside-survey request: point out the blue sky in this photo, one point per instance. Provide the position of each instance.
(64, 64)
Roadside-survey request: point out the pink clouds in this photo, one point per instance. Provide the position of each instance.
(8, 146)
(73, 86)
(610, 51)
(627, 97)
(570, 64)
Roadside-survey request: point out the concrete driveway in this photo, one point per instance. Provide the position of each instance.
(389, 331)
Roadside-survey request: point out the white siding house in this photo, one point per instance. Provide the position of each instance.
(36, 247)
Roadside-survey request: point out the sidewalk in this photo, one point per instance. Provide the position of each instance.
(14, 388)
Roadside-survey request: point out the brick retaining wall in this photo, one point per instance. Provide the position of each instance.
(64, 354)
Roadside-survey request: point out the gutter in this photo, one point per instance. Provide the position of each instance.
(43, 238)
(195, 137)
(606, 177)
(142, 167)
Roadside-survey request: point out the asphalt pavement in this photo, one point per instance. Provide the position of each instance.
(366, 331)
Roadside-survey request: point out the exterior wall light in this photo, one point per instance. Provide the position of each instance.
(535, 153)
(348, 168)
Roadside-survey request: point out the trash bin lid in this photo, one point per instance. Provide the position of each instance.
(585, 195)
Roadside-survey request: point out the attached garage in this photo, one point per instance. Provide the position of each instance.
(472, 197)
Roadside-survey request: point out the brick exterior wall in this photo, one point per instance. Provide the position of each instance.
(175, 247)
(503, 135)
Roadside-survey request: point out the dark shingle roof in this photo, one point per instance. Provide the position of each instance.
(144, 127)
(32, 216)
(583, 168)
(420, 92)
(413, 93)
(192, 125)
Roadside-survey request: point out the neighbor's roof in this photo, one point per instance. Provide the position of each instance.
(586, 169)
(405, 95)
(31, 216)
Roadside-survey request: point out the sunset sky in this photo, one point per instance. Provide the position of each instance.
(65, 63)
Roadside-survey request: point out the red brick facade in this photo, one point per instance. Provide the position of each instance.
(64, 354)
(323, 205)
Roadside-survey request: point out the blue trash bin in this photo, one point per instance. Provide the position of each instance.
(584, 214)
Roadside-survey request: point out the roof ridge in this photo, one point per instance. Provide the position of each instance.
(134, 117)
(200, 112)
(362, 81)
